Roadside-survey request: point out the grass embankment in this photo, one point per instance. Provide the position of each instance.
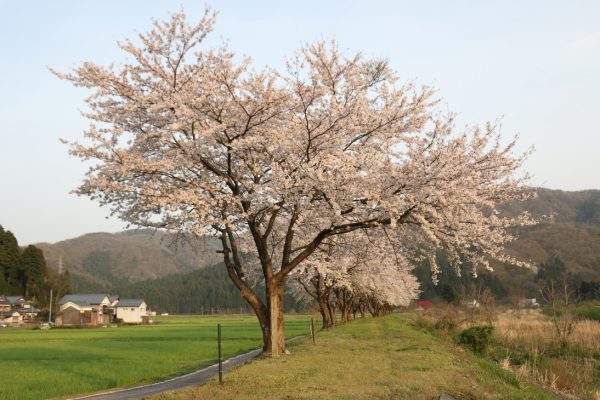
(38, 364)
(371, 358)
(527, 343)
(589, 310)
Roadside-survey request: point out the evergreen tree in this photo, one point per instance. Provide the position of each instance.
(10, 262)
(589, 290)
(552, 270)
(26, 273)
(449, 293)
(35, 272)
(4, 286)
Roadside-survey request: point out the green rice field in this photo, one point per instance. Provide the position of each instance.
(57, 363)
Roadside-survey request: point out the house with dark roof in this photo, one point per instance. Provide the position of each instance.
(19, 301)
(14, 310)
(29, 313)
(132, 311)
(100, 309)
(11, 318)
(85, 310)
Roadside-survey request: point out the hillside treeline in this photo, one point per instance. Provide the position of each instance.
(453, 286)
(204, 291)
(24, 272)
(507, 285)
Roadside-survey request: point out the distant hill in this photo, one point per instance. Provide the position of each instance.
(577, 244)
(102, 261)
(573, 233)
(581, 207)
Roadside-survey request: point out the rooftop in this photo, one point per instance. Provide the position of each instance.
(84, 299)
(130, 303)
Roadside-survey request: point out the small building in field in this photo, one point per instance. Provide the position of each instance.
(92, 310)
(73, 314)
(85, 310)
(132, 311)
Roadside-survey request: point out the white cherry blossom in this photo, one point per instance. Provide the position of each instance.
(277, 163)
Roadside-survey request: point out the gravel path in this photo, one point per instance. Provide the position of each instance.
(193, 378)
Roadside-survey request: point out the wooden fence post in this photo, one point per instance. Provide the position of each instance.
(220, 355)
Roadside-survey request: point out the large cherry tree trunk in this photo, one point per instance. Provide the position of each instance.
(270, 315)
(275, 336)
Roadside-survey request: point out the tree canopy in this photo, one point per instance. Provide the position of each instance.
(24, 272)
(35, 272)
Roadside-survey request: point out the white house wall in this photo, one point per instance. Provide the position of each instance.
(132, 315)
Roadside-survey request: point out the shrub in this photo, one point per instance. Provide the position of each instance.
(424, 324)
(446, 324)
(477, 338)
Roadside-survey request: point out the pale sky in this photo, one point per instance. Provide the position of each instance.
(534, 63)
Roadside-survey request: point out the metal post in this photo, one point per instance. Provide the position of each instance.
(220, 358)
(312, 328)
(50, 313)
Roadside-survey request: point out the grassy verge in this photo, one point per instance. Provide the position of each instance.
(38, 364)
(589, 310)
(371, 358)
(526, 342)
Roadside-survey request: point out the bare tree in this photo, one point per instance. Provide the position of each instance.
(561, 299)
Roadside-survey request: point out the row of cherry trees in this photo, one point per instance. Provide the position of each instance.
(356, 275)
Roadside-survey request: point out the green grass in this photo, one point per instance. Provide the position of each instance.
(370, 358)
(38, 364)
(589, 310)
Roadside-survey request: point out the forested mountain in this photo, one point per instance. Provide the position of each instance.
(577, 244)
(102, 261)
(572, 233)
